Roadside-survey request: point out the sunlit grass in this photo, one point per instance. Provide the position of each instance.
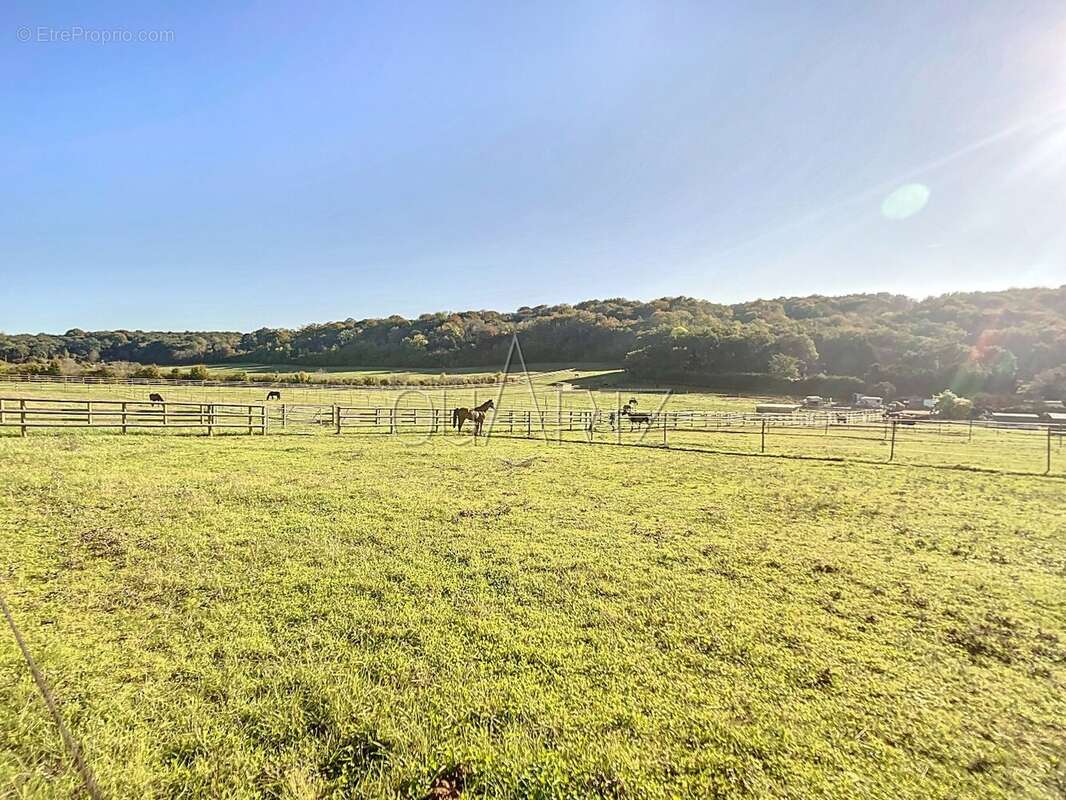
(537, 393)
(346, 616)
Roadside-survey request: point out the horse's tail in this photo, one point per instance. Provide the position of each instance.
(455, 417)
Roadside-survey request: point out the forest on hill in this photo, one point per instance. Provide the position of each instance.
(993, 342)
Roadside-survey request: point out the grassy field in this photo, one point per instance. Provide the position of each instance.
(539, 372)
(515, 395)
(942, 444)
(355, 617)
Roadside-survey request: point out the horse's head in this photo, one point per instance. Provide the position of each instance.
(489, 405)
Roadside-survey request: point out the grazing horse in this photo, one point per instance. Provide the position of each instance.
(635, 419)
(155, 397)
(273, 396)
(475, 415)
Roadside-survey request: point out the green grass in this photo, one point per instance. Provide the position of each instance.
(516, 395)
(545, 371)
(350, 617)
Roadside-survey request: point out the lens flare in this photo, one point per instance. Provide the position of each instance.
(906, 201)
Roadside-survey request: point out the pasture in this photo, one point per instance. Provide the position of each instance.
(537, 393)
(727, 427)
(344, 616)
(540, 373)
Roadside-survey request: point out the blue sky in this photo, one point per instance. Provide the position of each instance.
(277, 164)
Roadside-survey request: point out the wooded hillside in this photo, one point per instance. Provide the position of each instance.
(977, 341)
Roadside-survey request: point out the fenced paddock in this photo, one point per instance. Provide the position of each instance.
(24, 414)
(514, 394)
(829, 435)
(832, 435)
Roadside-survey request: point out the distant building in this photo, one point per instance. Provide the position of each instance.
(776, 408)
(1010, 418)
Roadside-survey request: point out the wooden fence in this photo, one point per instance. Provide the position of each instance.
(27, 413)
(529, 421)
(823, 433)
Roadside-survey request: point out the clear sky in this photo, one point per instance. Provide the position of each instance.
(283, 163)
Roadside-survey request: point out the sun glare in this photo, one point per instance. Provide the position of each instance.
(906, 201)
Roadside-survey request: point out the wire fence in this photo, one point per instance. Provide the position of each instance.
(839, 435)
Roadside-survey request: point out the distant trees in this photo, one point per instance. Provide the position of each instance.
(1049, 384)
(950, 406)
(977, 343)
(148, 371)
(784, 366)
(985, 343)
(884, 389)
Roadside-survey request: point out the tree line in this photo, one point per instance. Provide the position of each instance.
(975, 342)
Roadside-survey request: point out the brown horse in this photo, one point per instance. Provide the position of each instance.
(635, 419)
(475, 415)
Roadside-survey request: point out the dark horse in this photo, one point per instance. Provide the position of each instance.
(155, 398)
(273, 396)
(635, 419)
(475, 415)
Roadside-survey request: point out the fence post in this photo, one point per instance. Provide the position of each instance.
(284, 415)
(1048, 470)
(559, 417)
(250, 429)
(337, 417)
(529, 423)
(666, 441)
(763, 442)
(123, 417)
(2, 419)
(22, 412)
(892, 446)
(266, 419)
(211, 420)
